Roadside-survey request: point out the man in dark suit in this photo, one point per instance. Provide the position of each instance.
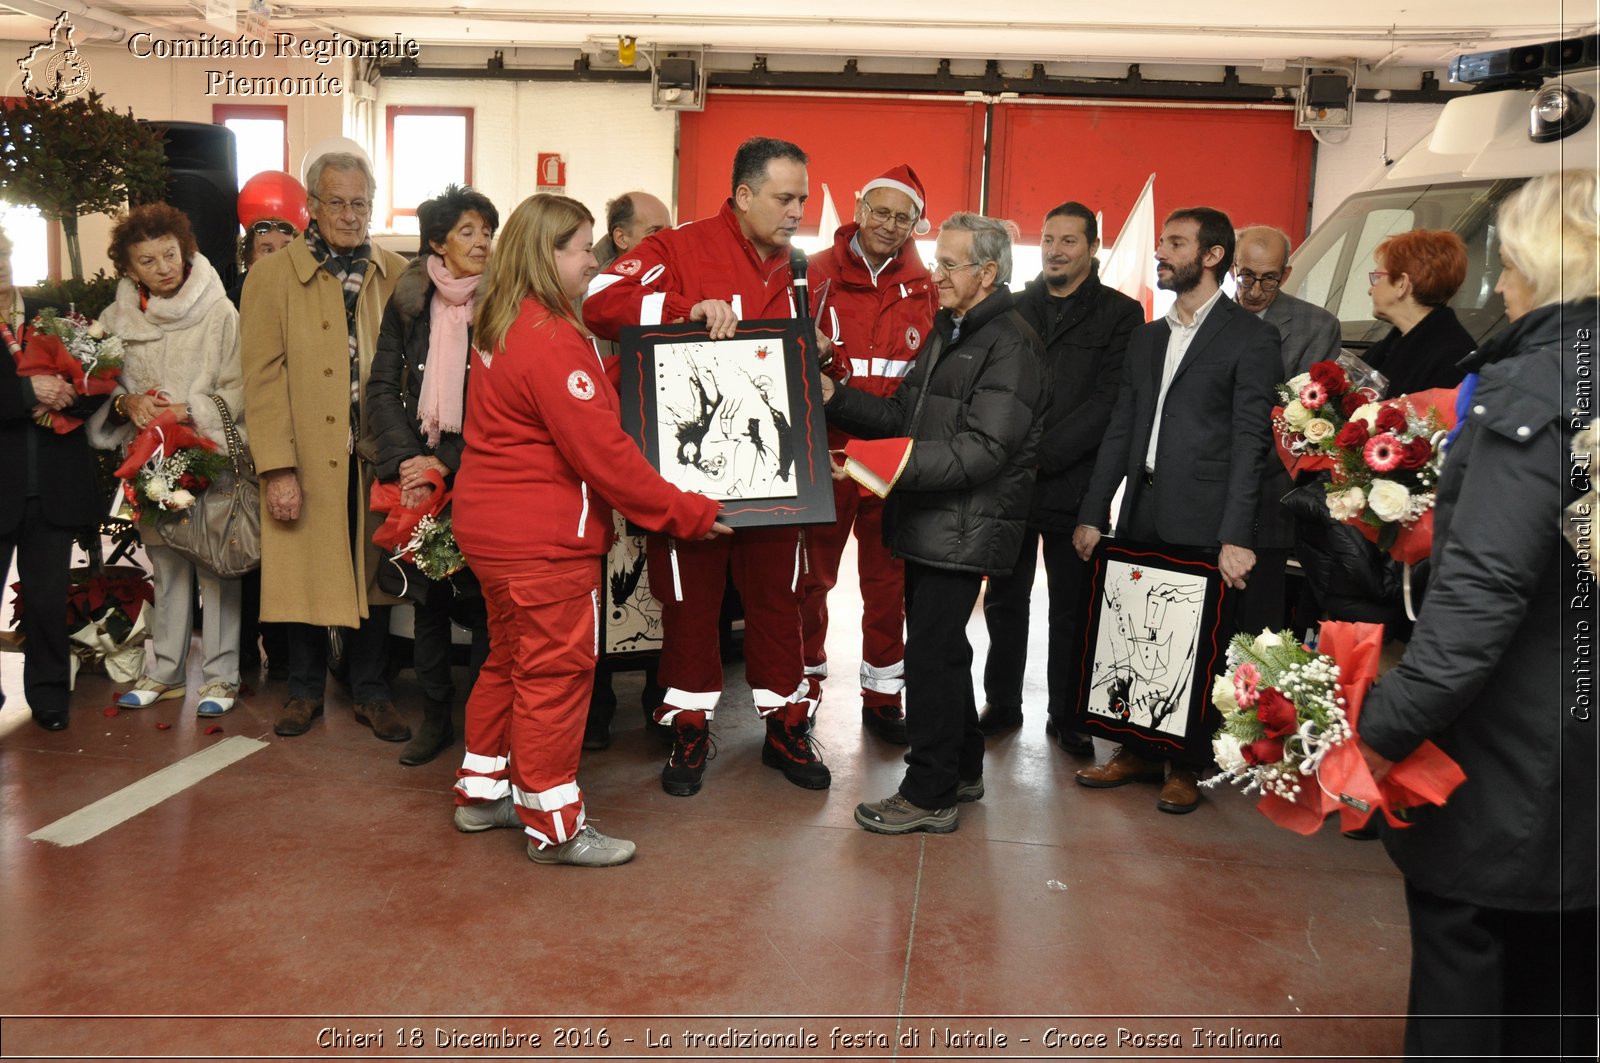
(1085, 328)
(1260, 266)
(1191, 433)
(48, 483)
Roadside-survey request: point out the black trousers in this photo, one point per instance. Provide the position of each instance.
(941, 716)
(1005, 612)
(44, 555)
(1487, 983)
(431, 646)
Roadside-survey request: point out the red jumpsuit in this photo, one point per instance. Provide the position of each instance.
(660, 280)
(878, 326)
(545, 458)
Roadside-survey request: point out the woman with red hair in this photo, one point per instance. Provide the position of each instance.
(1418, 273)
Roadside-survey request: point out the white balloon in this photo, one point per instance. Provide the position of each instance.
(323, 147)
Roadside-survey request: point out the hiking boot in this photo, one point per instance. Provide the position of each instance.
(791, 748)
(296, 716)
(487, 815)
(888, 722)
(691, 748)
(896, 815)
(587, 848)
(383, 719)
(432, 738)
(970, 789)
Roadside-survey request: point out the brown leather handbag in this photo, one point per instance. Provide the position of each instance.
(222, 530)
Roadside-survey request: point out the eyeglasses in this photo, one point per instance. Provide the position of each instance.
(267, 225)
(885, 216)
(1372, 278)
(359, 206)
(948, 268)
(1269, 281)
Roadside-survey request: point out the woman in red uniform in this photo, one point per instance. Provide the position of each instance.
(545, 460)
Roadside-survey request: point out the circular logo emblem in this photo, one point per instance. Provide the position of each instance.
(628, 266)
(913, 338)
(580, 385)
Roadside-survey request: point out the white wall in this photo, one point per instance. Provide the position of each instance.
(1379, 131)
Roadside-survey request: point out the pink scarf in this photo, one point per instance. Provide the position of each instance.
(444, 379)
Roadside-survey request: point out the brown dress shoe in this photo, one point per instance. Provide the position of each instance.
(296, 717)
(383, 719)
(1180, 793)
(1121, 769)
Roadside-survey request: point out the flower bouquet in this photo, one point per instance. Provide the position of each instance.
(1289, 715)
(166, 466)
(74, 348)
(1386, 463)
(1316, 404)
(106, 618)
(418, 537)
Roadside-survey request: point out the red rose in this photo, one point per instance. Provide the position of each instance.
(1352, 402)
(1416, 454)
(1391, 419)
(1262, 751)
(1330, 376)
(1276, 712)
(1353, 436)
(187, 481)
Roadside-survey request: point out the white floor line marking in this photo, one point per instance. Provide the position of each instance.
(114, 809)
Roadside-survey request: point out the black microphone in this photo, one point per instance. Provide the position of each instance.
(802, 289)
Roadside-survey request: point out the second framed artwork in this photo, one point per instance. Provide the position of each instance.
(738, 420)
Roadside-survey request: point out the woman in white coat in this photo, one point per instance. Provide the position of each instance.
(181, 338)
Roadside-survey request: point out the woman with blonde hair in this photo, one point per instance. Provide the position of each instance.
(544, 461)
(1500, 881)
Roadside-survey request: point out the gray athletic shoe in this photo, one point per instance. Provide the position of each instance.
(487, 815)
(970, 789)
(896, 815)
(588, 848)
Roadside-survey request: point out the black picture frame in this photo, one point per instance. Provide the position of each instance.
(745, 421)
(1160, 618)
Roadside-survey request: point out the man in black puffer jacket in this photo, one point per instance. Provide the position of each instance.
(959, 508)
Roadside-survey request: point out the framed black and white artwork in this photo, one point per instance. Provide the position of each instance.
(738, 420)
(1158, 630)
(632, 611)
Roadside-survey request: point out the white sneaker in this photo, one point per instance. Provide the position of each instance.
(588, 848)
(487, 815)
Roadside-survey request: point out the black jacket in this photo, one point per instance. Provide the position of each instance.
(394, 384)
(1083, 353)
(974, 407)
(1428, 356)
(59, 468)
(1492, 673)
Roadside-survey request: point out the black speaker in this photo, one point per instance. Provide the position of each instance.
(203, 182)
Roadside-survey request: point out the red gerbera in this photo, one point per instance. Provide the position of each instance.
(1383, 452)
(1313, 396)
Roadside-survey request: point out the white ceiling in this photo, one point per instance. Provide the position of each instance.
(1390, 33)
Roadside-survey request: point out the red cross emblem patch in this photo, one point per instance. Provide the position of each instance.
(580, 385)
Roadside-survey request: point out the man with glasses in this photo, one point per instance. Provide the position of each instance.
(1085, 328)
(1260, 267)
(719, 271)
(261, 237)
(308, 329)
(1191, 433)
(972, 404)
(877, 313)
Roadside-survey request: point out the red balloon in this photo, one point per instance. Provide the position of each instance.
(273, 194)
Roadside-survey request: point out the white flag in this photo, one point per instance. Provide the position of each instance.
(1130, 265)
(830, 218)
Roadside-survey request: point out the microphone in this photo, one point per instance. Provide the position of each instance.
(802, 288)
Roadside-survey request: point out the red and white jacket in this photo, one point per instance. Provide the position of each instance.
(878, 326)
(546, 457)
(659, 280)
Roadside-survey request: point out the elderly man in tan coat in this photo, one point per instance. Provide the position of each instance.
(308, 324)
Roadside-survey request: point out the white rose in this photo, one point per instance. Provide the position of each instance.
(1367, 413)
(1228, 753)
(180, 499)
(1346, 505)
(1296, 414)
(1222, 694)
(1389, 500)
(1267, 640)
(1317, 429)
(157, 488)
(97, 331)
(1296, 383)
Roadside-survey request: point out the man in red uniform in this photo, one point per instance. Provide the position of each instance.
(718, 271)
(877, 312)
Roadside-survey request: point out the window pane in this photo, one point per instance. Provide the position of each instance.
(430, 151)
(30, 239)
(260, 145)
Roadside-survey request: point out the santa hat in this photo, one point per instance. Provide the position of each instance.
(904, 179)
